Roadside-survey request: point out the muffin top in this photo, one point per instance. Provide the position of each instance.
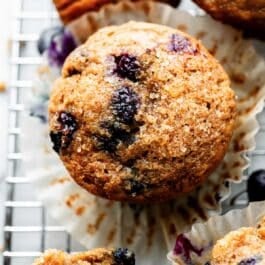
(98, 256)
(246, 15)
(141, 113)
(245, 246)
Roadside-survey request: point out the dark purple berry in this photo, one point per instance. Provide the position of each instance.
(127, 66)
(136, 187)
(179, 43)
(56, 139)
(250, 261)
(256, 186)
(47, 36)
(117, 132)
(106, 143)
(67, 122)
(116, 135)
(63, 137)
(124, 104)
(122, 256)
(60, 47)
(208, 263)
(184, 247)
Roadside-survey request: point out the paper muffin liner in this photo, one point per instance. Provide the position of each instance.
(203, 236)
(149, 230)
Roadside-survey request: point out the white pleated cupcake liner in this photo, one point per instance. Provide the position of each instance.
(149, 230)
(203, 236)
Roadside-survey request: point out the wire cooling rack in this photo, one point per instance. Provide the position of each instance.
(28, 230)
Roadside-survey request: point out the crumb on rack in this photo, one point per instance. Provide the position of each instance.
(43, 70)
(2, 86)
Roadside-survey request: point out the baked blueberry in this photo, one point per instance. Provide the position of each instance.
(105, 143)
(67, 122)
(116, 133)
(120, 132)
(63, 136)
(124, 104)
(56, 138)
(123, 256)
(61, 45)
(47, 36)
(179, 43)
(127, 66)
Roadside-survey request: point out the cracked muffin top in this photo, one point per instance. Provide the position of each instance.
(98, 256)
(244, 14)
(141, 113)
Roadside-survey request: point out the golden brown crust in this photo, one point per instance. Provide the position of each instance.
(182, 127)
(98, 256)
(246, 15)
(72, 9)
(244, 244)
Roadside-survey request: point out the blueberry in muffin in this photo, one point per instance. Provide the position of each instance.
(58, 43)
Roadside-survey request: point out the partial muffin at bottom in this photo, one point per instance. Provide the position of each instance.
(245, 246)
(98, 256)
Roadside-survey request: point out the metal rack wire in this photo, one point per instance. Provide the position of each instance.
(27, 228)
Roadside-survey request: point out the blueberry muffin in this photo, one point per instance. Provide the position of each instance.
(72, 9)
(93, 257)
(142, 113)
(245, 246)
(244, 14)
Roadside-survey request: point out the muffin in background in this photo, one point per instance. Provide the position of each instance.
(142, 113)
(246, 15)
(100, 256)
(245, 246)
(69, 10)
